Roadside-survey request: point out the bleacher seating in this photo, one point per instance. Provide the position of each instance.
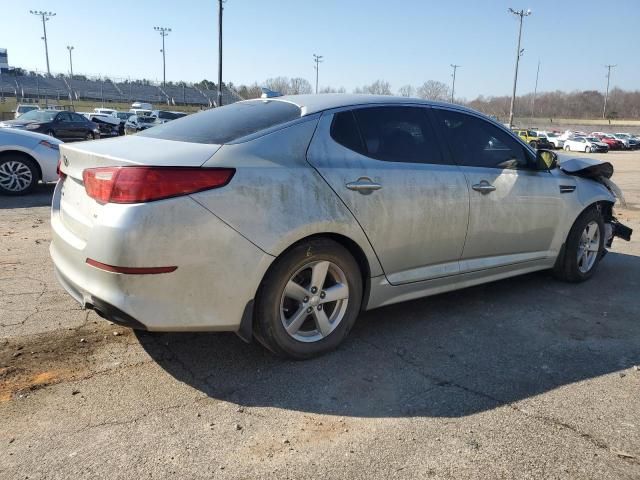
(39, 86)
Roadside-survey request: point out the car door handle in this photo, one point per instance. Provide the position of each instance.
(483, 187)
(364, 185)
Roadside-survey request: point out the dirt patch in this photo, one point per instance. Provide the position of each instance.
(33, 362)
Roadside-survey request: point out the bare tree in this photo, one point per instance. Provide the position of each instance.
(379, 87)
(433, 90)
(406, 91)
(299, 86)
(332, 90)
(278, 84)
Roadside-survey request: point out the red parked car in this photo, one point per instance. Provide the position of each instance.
(613, 143)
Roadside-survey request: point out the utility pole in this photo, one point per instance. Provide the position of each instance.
(220, 9)
(606, 96)
(70, 48)
(318, 60)
(535, 91)
(45, 18)
(164, 31)
(453, 85)
(521, 14)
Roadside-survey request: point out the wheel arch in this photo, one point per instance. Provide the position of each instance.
(6, 153)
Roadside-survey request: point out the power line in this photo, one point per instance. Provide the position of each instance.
(45, 18)
(318, 60)
(535, 90)
(606, 95)
(519, 52)
(164, 31)
(453, 85)
(220, 9)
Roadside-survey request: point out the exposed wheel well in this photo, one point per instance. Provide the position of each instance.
(7, 153)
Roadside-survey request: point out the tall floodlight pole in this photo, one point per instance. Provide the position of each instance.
(521, 14)
(70, 48)
(164, 31)
(318, 60)
(220, 9)
(453, 84)
(45, 18)
(535, 91)
(606, 95)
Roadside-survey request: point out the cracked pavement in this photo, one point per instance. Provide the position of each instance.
(523, 378)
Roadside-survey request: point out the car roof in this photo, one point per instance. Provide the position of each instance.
(310, 104)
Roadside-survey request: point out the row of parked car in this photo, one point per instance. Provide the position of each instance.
(576, 141)
(29, 144)
(101, 123)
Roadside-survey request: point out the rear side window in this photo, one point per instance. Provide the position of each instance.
(344, 130)
(225, 124)
(397, 134)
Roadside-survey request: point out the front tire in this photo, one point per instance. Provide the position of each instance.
(567, 148)
(583, 248)
(309, 300)
(18, 175)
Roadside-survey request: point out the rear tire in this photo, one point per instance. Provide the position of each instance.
(533, 145)
(294, 317)
(18, 175)
(583, 248)
(89, 136)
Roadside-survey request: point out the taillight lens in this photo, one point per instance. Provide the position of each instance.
(146, 184)
(61, 175)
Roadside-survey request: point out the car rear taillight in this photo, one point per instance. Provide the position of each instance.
(146, 184)
(61, 174)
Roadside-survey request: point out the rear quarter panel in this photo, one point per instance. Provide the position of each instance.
(276, 198)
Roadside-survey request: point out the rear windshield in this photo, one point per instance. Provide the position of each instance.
(228, 123)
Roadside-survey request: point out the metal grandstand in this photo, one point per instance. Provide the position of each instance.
(36, 86)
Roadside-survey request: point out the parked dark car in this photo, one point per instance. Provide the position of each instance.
(123, 117)
(109, 126)
(137, 123)
(165, 116)
(59, 124)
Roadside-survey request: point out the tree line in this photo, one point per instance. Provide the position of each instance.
(556, 104)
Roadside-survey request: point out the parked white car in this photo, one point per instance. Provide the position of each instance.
(21, 108)
(553, 138)
(105, 111)
(26, 158)
(585, 144)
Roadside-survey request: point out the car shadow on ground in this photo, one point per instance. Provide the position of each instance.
(445, 356)
(39, 197)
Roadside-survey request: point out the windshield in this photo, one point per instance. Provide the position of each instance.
(531, 133)
(593, 139)
(228, 123)
(169, 115)
(38, 116)
(551, 135)
(27, 108)
(124, 115)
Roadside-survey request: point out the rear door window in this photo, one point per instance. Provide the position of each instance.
(397, 134)
(228, 123)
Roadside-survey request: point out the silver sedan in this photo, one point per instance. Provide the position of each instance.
(281, 219)
(26, 158)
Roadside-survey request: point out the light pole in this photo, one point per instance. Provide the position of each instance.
(453, 85)
(521, 14)
(45, 18)
(220, 9)
(606, 96)
(164, 31)
(318, 60)
(70, 48)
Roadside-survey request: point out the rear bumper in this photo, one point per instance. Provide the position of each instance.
(218, 271)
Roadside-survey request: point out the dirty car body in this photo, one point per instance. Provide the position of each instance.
(388, 199)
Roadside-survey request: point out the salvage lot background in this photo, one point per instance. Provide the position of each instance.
(527, 377)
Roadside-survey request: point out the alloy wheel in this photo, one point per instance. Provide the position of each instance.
(15, 176)
(588, 247)
(314, 301)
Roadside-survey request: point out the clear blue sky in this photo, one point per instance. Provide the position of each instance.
(362, 40)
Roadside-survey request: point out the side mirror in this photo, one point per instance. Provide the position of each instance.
(546, 160)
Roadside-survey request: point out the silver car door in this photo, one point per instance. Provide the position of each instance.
(385, 164)
(515, 210)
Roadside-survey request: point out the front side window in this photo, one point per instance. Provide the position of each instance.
(397, 134)
(475, 142)
(63, 117)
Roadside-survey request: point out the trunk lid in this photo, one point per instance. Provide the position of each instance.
(132, 150)
(78, 212)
